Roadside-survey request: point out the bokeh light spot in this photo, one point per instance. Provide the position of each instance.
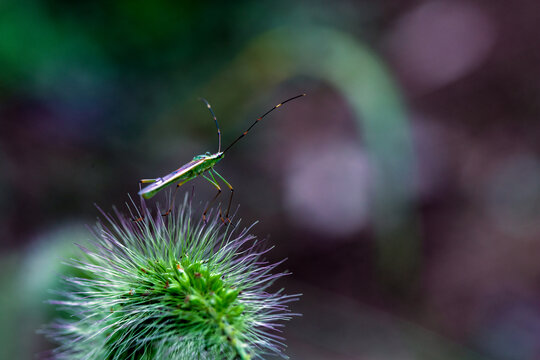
(328, 188)
(439, 42)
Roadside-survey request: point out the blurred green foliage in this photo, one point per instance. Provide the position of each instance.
(27, 281)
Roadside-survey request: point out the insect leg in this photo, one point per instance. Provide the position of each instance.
(213, 182)
(174, 196)
(143, 181)
(232, 192)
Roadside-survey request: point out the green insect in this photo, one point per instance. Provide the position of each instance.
(198, 166)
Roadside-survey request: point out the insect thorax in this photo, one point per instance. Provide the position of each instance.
(208, 161)
(201, 157)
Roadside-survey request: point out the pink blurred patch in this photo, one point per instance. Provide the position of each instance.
(440, 42)
(329, 191)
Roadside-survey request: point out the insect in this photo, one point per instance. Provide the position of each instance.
(200, 165)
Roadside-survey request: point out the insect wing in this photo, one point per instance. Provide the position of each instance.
(168, 179)
(181, 170)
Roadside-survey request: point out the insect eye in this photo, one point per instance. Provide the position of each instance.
(207, 154)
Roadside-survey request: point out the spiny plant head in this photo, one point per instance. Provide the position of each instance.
(170, 288)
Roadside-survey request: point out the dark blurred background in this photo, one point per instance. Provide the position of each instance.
(404, 189)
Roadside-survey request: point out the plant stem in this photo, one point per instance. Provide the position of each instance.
(229, 332)
(235, 342)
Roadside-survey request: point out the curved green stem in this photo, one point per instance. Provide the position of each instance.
(366, 82)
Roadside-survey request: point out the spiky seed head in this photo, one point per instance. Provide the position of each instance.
(170, 288)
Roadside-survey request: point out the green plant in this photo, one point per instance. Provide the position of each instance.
(170, 288)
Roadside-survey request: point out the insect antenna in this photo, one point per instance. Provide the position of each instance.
(215, 120)
(260, 118)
